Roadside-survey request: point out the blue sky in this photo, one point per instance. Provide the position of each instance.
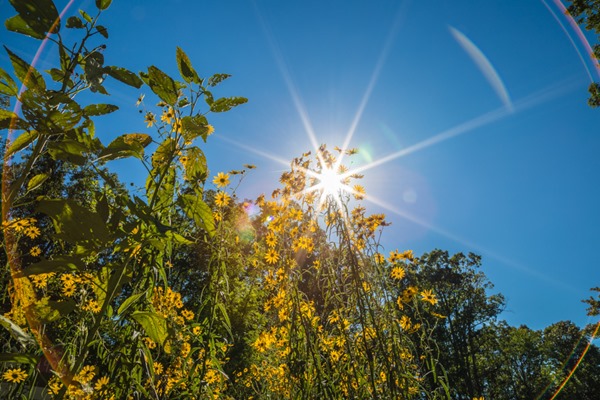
(474, 114)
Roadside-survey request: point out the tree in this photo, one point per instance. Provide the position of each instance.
(587, 12)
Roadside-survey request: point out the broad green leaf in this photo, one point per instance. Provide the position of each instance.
(40, 15)
(16, 332)
(162, 85)
(154, 325)
(125, 76)
(7, 85)
(74, 22)
(217, 78)
(24, 140)
(192, 127)
(128, 145)
(227, 103)
(185, 67)
(58, 264)
(56, 74)
(195, 165)
(37, 181)
(18, 24)
(19, 358)
(129, 301)
(75, 223)
(28, 75)
(49, 310)
(177, 238)
(99, 109)
(68, 150)
(164, 153)
(66, 118)
(199, 211)
(9, 119)
(103, 4)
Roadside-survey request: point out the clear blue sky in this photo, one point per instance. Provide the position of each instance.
(474, 112)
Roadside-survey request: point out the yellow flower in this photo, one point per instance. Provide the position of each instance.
(359, 192)
(32, 232)
(15, 375)
(221, 180)
(35, 251)
(196, 330)
(187, 314)
(101, 382)
(397, 273)
(428, 296)
(271, 239)
(149, 119)
(209, 130)
(167, 115)
(158, 368)
(271, 257)
(86, 374)
(222, 199)
(379, 258)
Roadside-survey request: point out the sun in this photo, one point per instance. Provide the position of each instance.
(330, 182)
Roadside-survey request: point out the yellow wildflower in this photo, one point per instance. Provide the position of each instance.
(35, 251)
(222, 199)
(428, 296)
(15, 375)
(167, 115)
(221, 180)
(149, 119)
(101, 382)
(271, 257)
(397, 273)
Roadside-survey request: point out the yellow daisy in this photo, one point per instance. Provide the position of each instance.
(397, 273)
(221, 180)
(222, 199)
(15, 375)
(428, 296)
(271, 257)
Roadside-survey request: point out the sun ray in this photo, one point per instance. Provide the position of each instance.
(375, 75)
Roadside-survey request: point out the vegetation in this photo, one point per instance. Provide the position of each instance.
(189, 292)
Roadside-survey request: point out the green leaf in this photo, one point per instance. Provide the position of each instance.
(195, 165)
(217, 78)
(19, 358)
(7, 85)
(129, 301)
(74, 22)
(185, 67)
(227, 103)
(125, 76)
(16, 332)
(24, 140)
(6, 117)
(177, 238)
(56, 265)
(103, 4)
(102, 30)
(18, 24)
(49, 310)
(192, 127)
(99, 109)
(75, 223)
(86, 16)
(40, 16)
(199, 211)
(68, 150)
(154, 325)
(37, 181)
(164, 153)
(28, 75)
(128, 145)
(162, 85)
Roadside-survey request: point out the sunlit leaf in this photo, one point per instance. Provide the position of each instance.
(18, 24)
(195, 165)
(99, 109)
(129, 301)
(162, 85)
(49, 310)
(185, 67)
(16, 332)
(192, 127)
(41, 16)
(217, 78)
(125, 76)
(128, 145)
(86, 16)
(19, 358)
(28, 75)
(24, 140)
(199, 211)
(7, 85)
(154, 325)
(68, 150)
(37, 181)
(227, 103)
